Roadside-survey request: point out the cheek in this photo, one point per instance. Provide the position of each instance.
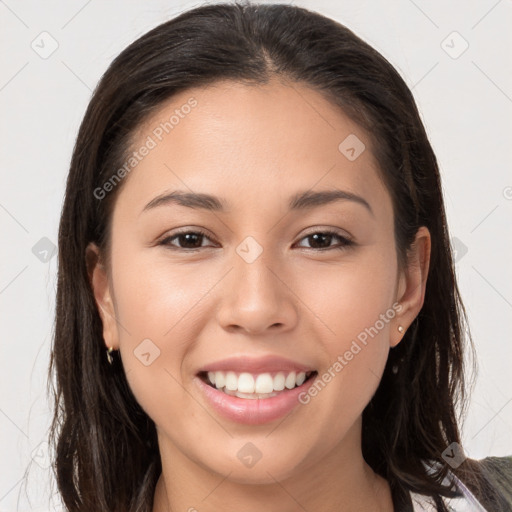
(157, 298)
(159, 310)
(349, 298)
(354, 306)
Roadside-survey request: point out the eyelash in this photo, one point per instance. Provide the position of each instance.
(346, 242)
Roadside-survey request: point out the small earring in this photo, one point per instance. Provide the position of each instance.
(110, 359)
(400, 329)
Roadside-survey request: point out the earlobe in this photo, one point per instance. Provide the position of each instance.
(396, 337)
(99, 281)
(412, 284)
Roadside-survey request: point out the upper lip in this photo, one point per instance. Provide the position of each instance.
(249, 364)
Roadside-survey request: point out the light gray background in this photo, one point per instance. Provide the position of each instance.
(466, 104)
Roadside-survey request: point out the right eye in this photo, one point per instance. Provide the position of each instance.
(191, 240)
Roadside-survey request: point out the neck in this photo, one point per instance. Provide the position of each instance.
(340, 480)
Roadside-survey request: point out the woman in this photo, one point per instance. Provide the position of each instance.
(211, 353)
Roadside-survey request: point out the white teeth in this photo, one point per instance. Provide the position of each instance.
(290, 380)
(301, 377)
(250, 396)
(219, 380)
(231, 381)
(246, 383)
(263, 385)
(279, 380)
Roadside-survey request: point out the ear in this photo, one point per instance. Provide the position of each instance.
(99, 280)
(412, 284)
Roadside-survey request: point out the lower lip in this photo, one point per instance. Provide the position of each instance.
(253, 411)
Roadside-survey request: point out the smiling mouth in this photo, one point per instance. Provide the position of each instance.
(255, 386)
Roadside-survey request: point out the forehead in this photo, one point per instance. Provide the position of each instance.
(249, 143)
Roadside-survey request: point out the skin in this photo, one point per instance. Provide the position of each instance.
(255, 147)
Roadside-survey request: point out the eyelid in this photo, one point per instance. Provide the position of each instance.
(331, 230)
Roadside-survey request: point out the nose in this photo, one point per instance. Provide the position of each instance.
(256, 298)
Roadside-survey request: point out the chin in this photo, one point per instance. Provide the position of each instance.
(261, 469)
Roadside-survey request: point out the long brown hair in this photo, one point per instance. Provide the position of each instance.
(106, 450)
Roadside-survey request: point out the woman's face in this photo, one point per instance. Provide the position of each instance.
(271, 288)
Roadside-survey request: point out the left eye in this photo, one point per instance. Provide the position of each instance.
(190, 240)
(321, 237)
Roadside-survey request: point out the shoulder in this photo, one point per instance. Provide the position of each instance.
(490, 483)
(490, 488)
(497, 471)
(501, 467)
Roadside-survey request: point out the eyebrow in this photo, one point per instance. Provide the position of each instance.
(298, 202)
